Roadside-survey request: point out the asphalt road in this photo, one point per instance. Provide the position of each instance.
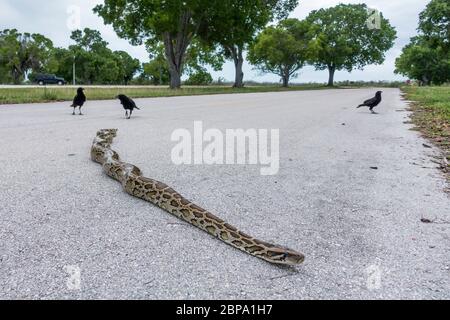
(360, 228)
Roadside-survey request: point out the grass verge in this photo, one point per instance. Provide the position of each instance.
(48, 94)
(431, 114)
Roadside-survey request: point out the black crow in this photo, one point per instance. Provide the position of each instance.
(79, 100)
(372, 103)
(128, 104)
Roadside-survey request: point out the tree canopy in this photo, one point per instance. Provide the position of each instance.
(175, 23)
(23, 53)
(282, 49)
(233, 25)
(94, 61)
(156, 71)
(421, 62)
(434, 23)
(128, 66)
(427, 57)
(344, 41)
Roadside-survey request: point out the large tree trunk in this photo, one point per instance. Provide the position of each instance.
(175, 50)
(285, 75)
(239, 78)
(238, 59)
(331, 70)
(175, 77)
(174, 57)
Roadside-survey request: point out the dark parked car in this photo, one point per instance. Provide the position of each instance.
(43, 79)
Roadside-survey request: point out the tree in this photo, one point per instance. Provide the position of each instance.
(200, 54)
(234, 23)
(128, 66)
(89, 39)
(21, 54)
(199, 77)
(427, 57)
(174, 23)
(157, 70)
(421, 62)
(434, 24)
(5, 77)
(282, 50)
(344, 41)
(60, 63)
(197, 55)
(95, 62)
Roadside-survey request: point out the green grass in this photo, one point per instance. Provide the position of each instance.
(431, 110)
(49, 94)
(431, 114)
(434, 99)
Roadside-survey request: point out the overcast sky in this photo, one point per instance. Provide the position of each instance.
(51, 18)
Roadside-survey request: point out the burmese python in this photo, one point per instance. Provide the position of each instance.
(168, 199)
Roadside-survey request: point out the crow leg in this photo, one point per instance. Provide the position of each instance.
(131, 112)
(80, 112)
(74, 111)
(126, 114)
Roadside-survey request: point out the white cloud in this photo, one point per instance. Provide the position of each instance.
(50, 19)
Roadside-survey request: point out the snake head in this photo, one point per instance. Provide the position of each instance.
(285, 256)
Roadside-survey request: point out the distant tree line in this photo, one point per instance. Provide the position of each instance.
(332, 39)
(337, 38)
(427, 57)
(183, 37)
(23, 56)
